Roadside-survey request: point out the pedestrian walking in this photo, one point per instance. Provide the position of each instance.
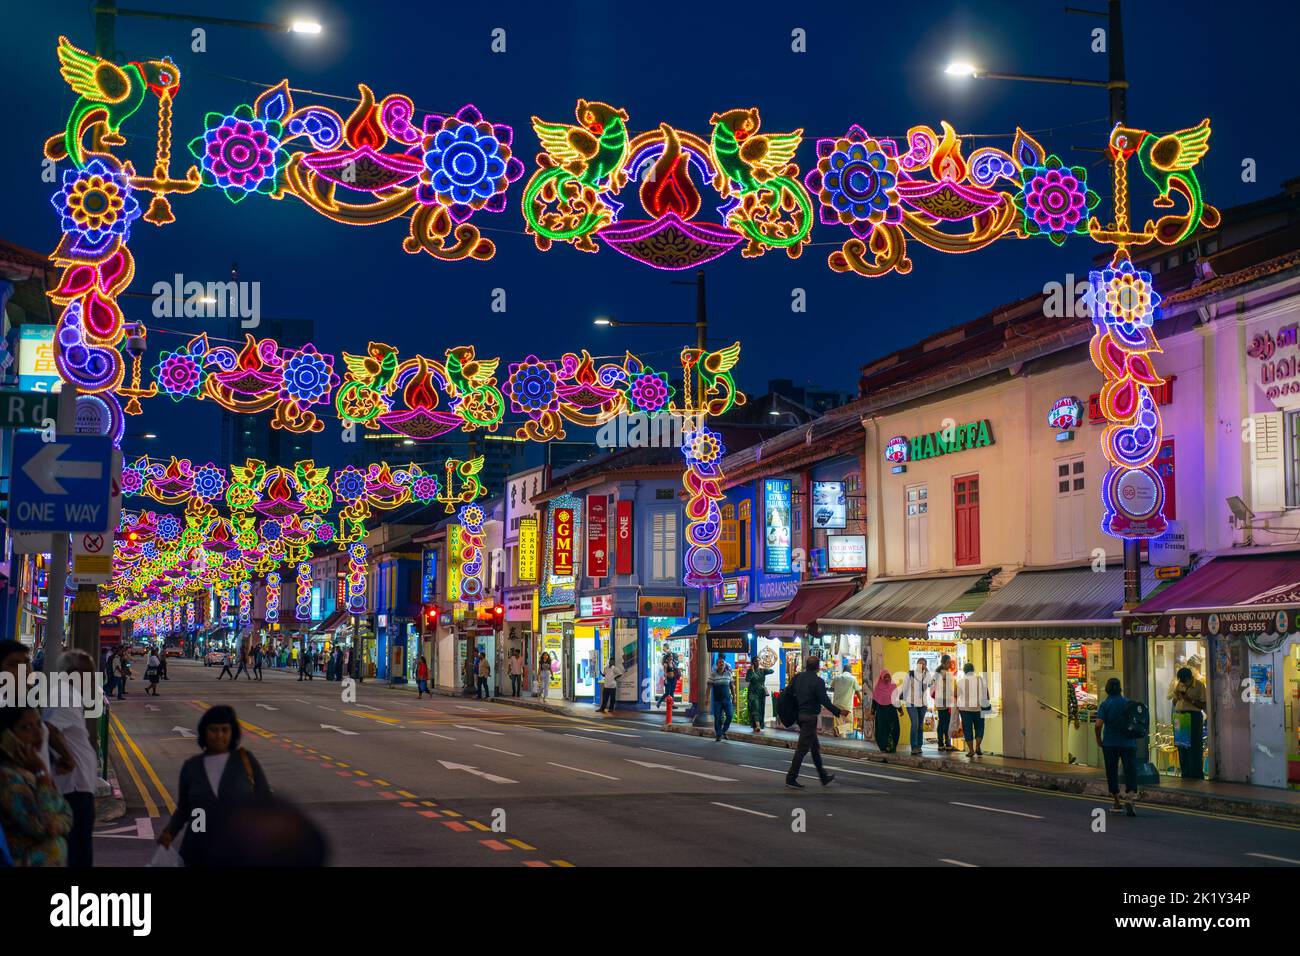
(77, 784)
(844, 687)
(916, 697)
(885, 710)
(720, 689)
(117, 678)
(672, 674)
(225, 666)
(1117, 746)
(1188, 695)
(609, 685)
(973, 703)
(224, 778)
(151, 674)
(243, 664)
(304, 665)
(34, 816)
(756, 692)
(810, 695)
(162, 665)
(516, 666)
(422, 678)
(484, 675)
(544, 675)
(258, 654)
(471, 672)
(944, 692)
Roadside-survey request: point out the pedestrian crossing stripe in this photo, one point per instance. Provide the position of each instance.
(479, 826)
(520, 844)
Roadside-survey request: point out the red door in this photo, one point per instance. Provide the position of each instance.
(966, 518)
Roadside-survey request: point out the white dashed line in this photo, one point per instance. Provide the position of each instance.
(1014, 813)
(509, 752)
(770, 816)
(580, 770)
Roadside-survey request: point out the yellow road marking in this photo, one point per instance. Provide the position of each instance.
(561, 863)
(150, 806)
(148, 768)
(427, 803)
(359, 773)
(370, 716)
(478, 826)
(407, 794)
(382, 783)
(520, 844)
(451, 813)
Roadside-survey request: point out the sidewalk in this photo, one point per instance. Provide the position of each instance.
(1211, 796)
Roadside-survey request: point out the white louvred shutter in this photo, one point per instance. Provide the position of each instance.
(1267, 469)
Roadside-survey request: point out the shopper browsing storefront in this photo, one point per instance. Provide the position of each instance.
(885, 711)
(944, 692)
(1188, 695)
(916, 696)
(973, 702)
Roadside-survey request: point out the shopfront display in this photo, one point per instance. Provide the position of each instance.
(553, 645)
(1167, 656)
(659, 641)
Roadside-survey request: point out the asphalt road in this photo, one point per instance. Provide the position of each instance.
(395, 781)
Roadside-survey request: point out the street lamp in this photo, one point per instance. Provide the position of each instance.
(305, 26)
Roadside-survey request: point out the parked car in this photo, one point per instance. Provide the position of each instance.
(173, 651)
(213, 657)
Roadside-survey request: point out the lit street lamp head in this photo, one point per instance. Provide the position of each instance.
(961, 68)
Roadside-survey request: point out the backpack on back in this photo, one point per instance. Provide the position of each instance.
(1136, 720)
(787, 706)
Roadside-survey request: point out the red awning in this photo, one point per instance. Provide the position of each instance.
(810, 602)
(1253, 580)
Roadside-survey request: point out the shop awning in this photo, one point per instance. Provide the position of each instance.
(716, 623)
(1254, 580)
(902, 608)
(1074, 604)
(331, 622)
(810, 603)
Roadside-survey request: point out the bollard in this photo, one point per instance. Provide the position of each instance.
(668, 716)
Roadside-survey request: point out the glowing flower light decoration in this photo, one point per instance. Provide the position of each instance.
(1055, 200)
(349, 484)
(169, 529)
(302, 608)
(856, 181)
(96, 203)
(240, 153)
(308, 377)
(703, 446)
(468, 164)
(532, 386)
(180, 373)
(1124, 296)
(649, 391)
(209, 482)
(273, 597)
(245, 603)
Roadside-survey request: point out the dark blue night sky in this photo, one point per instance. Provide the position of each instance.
(877, 64)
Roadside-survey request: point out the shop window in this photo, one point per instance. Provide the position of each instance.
(663, 548)
(1070, 527)
(917, 526)
(966, 518)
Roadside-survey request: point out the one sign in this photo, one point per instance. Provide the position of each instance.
(1168, 574)
(846, 552)
(31, 542)
(527, 552)
(36, 369)
(453, 563)
(27, 409)
(623, 540)
(62, 485)
(519, 605)
(828, 506)
(776, 525)
(597, 536)
(726, 643)
(896, 449)
(661, 606)
(562, 543)
(1276, 361)
(946, 623)
(1170, 549)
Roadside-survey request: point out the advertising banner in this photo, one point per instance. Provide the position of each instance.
(776, 525)
(562, 543)
(623, 538)
(527, 551)
(597, 537)
(829, 510)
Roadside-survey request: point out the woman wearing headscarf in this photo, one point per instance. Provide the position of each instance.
(886, 713)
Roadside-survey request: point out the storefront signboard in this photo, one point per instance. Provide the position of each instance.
(1066, 413)
(647, 606)
(453, 563)
(596, 605)
(519, 605)
(623, 538)
(946, 441)
(1262, 628)
(732, 591)
(36, 369)
(846, 552)
(1276, 365)
(562, 543)
(776, 525)
(428, 576)
(1169, 550)
(625, 641)
(829, 510)
(527, 550)
(726, 643)
(597, 536)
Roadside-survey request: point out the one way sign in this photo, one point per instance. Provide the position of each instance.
(62, 485)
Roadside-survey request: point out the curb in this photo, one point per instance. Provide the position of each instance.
(113, 806)
(1264, 810)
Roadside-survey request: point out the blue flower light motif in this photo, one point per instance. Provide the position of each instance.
(169, 529)
(308, 377)
(271, 531)
(468, 163)
(96, 203)
(856, 181)
(240, 153)
(209, 482)
(149, 549)
(531, 386)
(349, 483)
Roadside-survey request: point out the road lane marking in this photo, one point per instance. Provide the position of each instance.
(520, 844)
(150, 807)
(476, 772)
(882, 776)
(144, 762)
(338, 730)
(1280, 859)
(510, 753)
(479, 730)
(594, 740)
(732, 806)
(378, 717)
(751, 766)
(142, 829)
(693, 773)
(671, 753)
(432, 734)
(369, 707)
(564, 766)
(959, 863)
(976, 806)
(602, 730)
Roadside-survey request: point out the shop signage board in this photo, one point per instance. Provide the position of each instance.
(846, 552)
(732, 591)
(726, 643)
(623, 540)
(776, 525)
(519, 605)
(597, 537)
(947, 441)
(1169, 550)
(562, 543)
(428, 576)
(1244, 622)
(1065, 415)
(596, 605)
(453, 563)
(1276, 363)
(625, 641)
(36, 369)
(527, 550)
(829, 510)
(27, 409)
(647, 606)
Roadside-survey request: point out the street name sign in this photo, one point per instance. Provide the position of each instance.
(62, 485)
(27, 409)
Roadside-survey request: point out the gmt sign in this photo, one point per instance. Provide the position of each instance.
(61, 486)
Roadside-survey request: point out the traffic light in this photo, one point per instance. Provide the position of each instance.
(498, 616)
(431, 615)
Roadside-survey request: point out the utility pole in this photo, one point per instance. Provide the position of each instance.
(702, 631)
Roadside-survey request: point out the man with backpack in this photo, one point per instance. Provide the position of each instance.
(806, 696)
(1119, 725)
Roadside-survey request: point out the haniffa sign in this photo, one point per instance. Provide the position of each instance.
(948, 440)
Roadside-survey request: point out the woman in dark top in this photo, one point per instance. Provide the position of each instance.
(213, 784)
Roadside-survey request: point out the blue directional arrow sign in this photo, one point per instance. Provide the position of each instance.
(62, 485)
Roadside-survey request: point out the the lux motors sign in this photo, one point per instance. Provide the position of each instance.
(1278, 355)
(945, 441)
